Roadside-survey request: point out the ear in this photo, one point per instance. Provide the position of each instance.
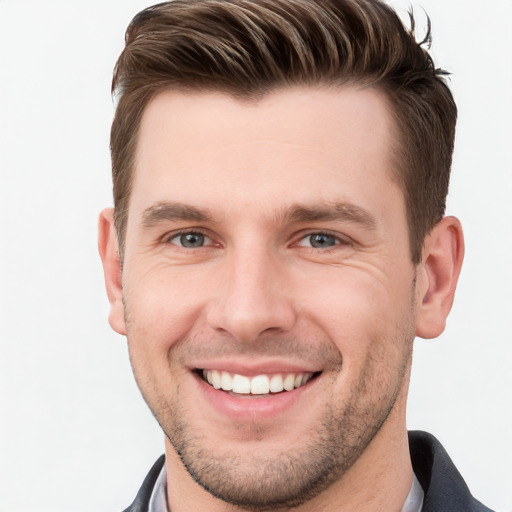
(438, 274)
(107, 246)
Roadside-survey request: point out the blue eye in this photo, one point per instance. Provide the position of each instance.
(190, 240)
(319, 241)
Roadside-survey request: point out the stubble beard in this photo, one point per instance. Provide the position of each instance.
(331, 446)
(290, 479)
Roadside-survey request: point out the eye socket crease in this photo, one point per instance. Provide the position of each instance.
(164, 212)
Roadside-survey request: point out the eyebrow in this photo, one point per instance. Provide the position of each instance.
(343, 211)
(173, 211)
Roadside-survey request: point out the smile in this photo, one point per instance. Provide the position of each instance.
(257, 385)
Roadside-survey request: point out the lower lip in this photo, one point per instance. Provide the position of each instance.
(253, 407)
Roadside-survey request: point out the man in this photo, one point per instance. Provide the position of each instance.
(278, 240)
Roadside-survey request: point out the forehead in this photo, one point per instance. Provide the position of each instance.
(292, 146)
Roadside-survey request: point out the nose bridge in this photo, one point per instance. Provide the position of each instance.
(252, 299)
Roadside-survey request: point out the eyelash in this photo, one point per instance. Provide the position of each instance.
(171, 236)
(339, 240)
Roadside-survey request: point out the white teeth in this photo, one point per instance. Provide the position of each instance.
(226, 381)
(289, 382)
(259, 385)
(241, 384)
(216, 379)
(276, 384)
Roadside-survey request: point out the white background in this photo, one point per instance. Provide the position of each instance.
(74, 433)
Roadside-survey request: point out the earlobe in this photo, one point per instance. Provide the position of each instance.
(107, 246)
(438, 274)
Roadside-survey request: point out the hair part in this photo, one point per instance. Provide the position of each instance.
(248, 48)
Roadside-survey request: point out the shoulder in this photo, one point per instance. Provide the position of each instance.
(444, 487)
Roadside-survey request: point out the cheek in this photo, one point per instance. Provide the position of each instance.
(359, 312)
(157, 319)
(162, 307)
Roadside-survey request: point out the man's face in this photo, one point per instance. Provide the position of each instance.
(267, 246)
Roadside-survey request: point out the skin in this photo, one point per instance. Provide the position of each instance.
(256, 295)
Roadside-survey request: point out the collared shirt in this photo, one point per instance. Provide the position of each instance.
(158, 501)
(414, 501)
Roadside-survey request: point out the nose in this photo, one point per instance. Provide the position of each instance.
(253, 298)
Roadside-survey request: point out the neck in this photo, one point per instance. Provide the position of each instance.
(379, 481)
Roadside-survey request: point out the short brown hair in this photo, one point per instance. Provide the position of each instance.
(248, 48)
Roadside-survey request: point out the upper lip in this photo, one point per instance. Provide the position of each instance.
(253, 368)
